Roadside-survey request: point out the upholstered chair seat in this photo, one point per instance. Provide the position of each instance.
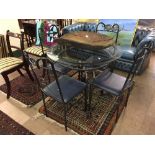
(112, 82)
(63, 88)
(9, 63)
(36, 50)
(74, 87)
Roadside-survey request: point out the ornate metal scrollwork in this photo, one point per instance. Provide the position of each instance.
(101, 27)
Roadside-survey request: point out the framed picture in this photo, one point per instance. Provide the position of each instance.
(127, 29)
(85, 20)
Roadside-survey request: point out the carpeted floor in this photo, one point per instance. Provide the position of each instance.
(24, 90)
(10, 127)
(103, 115)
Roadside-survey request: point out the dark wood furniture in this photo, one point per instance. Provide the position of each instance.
(3, 49)
(20, 22)
(64, 22)
(11, 64)
(30, 31)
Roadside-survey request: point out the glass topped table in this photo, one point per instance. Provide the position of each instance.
(84, 51)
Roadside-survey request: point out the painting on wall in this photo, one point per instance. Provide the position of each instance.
(127, 29)
(85, 20)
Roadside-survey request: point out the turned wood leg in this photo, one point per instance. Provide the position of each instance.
(19, 71)
(5, 76)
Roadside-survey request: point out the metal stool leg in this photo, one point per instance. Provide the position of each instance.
(65, 118)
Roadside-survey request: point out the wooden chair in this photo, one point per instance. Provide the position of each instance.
(36, 50)
(11, 64)
(41, 50)
(29, 27)
(64, 22)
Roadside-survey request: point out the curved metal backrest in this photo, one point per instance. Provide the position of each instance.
(10, 35)
(49, 68)
(138, 58)
(101, 27)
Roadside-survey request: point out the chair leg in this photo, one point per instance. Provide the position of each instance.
(43, 96)
(19, 71)
(8, 85)
(117, 112)
(90, 100)
(79, 76)
(117, 109)
(86, 96)
(28, 72)
(26, 37)
(44, 70)
(65, 117)
(127, 98)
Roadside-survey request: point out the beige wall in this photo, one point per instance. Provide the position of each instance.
(9, 24)
(12, 25)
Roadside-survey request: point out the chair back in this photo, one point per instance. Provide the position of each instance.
(3, 49)
(148, 43)
(30, 32)
(50, 69)
(111, 30)
(64, 22)
(138, 58)
(10, 44)
(140, 34)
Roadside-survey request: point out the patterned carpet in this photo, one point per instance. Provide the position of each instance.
(9, 127)
(24, 90)
(103, 117)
